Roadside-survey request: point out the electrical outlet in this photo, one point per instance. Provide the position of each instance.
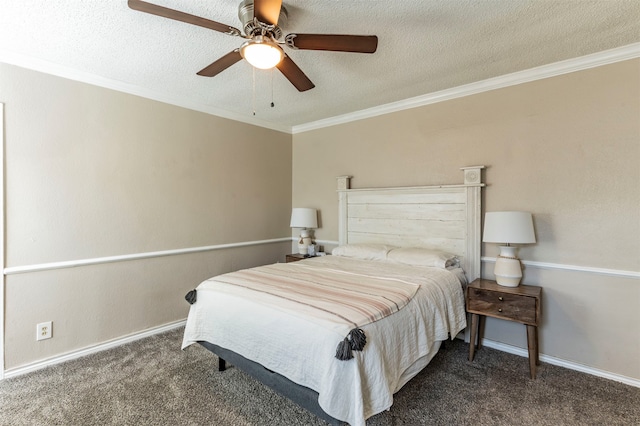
(44, 330)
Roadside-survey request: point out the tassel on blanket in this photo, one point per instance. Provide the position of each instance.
(191, 297)
(358, 339)
(355, 341)
(343, 351)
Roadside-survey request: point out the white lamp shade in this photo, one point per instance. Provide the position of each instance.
(304, 218)
(508, 228)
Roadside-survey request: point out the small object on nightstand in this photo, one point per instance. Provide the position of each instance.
(520, 304)
(294, 257)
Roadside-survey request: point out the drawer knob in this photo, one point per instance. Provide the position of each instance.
(500, 298)
(500, 310)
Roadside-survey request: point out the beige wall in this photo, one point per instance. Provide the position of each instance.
(92, 172)
(565, 148)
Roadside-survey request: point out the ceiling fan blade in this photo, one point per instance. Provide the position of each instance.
(294, 74)
(267, 11)
(165, 12)
(333, 42)
(221, 64)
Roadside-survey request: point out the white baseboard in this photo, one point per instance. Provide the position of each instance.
(167, 327)
(13, 372)
(562, 363)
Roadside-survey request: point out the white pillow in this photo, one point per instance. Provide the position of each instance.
(422, 257)
(363, 251)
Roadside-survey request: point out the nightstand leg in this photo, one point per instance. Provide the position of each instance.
(532, 343)
(474, 329)
(481, 322)
(537, 350)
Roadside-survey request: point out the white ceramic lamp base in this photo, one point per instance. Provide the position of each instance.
(508, 271)
(304, 241)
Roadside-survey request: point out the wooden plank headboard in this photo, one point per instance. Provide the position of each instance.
(442, 217)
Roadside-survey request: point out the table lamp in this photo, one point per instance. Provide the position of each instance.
(508, 228)
(305, 219)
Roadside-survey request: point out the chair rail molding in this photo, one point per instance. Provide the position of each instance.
(576, 268)
(135, 256)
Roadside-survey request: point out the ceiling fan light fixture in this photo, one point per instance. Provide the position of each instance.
(262, 52)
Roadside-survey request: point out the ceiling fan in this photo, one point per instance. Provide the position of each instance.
(263, 49)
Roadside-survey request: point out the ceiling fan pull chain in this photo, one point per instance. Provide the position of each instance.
(254, 90)
(272, 104)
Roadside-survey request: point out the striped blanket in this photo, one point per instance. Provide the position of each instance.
(348, 298)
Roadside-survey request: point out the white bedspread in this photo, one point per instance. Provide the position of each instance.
(303, 350)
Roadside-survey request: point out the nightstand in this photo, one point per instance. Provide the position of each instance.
(294, 257)
(519, 304)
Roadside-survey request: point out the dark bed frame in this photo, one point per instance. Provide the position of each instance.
(303, 396)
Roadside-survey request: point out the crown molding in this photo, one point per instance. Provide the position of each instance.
(35, 64)
(594, 60)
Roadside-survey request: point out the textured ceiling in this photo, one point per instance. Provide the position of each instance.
(425, 46)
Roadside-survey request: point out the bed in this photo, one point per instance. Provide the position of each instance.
(416, 246)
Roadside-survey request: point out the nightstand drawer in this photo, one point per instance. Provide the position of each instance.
(502, 305)
(294, 257)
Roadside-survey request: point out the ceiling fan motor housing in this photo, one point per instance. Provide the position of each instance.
(253, 27)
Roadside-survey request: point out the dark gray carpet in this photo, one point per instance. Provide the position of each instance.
(153, 382)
